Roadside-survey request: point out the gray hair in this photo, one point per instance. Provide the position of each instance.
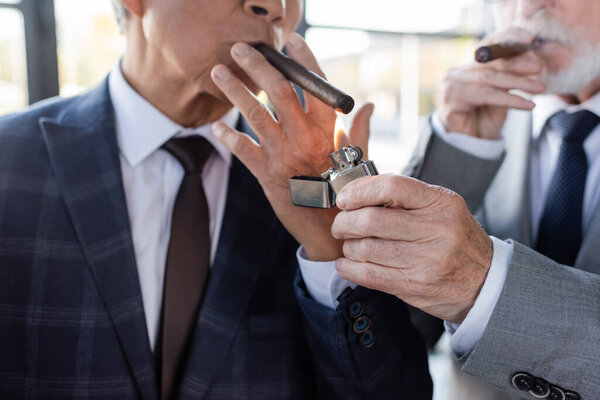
(120, 14)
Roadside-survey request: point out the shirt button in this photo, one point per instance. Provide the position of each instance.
(540, 389)
(522, 381)
(556, 393)
(367, 339)
(356, 310)
(361, 324)
(572, 396)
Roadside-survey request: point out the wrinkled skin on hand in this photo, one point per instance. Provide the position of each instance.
(474, 99)
(423, 246)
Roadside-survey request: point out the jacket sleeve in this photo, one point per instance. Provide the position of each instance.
(544, 331)
(439, 163)
(366, 348)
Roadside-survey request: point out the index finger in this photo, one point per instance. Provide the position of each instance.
(394, 191)
(280, 91)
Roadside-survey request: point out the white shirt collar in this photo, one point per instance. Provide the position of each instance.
(142, 128)
(548, 105)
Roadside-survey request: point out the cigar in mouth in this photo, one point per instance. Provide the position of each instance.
(308, 80)
(492, 52)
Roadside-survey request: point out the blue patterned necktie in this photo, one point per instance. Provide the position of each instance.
(560, 230)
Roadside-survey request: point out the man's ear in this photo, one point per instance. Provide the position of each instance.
(136, 7)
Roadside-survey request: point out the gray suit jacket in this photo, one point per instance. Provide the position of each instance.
(547, 319)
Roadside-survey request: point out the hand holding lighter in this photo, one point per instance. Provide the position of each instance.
(320, 192)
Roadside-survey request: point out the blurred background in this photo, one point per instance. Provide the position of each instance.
(393, 53)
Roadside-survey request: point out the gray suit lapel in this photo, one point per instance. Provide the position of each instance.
(85, 160)
(507, 205)
(588, 258)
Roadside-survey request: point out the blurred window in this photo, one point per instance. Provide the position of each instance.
(89, 43)
(394, 54)
(13, 65)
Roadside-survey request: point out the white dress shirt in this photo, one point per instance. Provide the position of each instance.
(545, 150)
(151, 180)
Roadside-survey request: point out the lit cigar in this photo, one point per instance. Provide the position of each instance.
(493, 52)
(308, 80)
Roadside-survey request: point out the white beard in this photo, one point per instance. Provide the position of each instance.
(571, 80)
(585, 66)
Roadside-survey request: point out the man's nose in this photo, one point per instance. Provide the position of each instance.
(272, 11)
(528, 8)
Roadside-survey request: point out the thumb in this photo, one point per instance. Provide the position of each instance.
(360, 130)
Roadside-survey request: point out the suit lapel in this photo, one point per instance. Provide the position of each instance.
(85, 159)
(588, 258)
(508, 206)
(249, 225)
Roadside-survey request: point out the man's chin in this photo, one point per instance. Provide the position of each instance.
(572, 80)
(562, 84)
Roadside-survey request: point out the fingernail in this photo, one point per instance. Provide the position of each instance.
(371, 108)
(218, 129)
(221, 73)
(341, 200)
(241, 49)
(338, 264)
(294, 41)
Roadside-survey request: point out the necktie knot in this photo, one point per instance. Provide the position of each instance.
(574, 127)
(192, 152)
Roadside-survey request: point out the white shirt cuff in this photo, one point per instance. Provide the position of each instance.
(322, 280)
(466, 335)
(482, 148)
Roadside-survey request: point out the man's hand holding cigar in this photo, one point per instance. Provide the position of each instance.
(297, 142)
(475, 99)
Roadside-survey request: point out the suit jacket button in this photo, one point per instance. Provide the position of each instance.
(356, 310)
(556, 393)
(361, 324)
(540, 389)
(367, 339)
(522, 381)
(572, 396)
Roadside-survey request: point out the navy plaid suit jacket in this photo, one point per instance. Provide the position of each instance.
(72, 324)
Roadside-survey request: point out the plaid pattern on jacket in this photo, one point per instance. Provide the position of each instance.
(72, 324)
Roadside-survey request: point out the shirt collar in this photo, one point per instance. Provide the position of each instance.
(548, 105)
(142, 129)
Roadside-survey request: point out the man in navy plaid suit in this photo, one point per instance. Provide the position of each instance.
(87, 213)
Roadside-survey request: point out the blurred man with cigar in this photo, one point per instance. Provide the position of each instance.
(522, 304)
(140, 259)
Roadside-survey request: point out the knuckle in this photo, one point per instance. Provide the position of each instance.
(238, 146)
(258, 114)
(389, 186)
(369, 275)
(282, 89)
(367, 248)
(488, 75)
(451, 73)
(450, 92)
(370, 217)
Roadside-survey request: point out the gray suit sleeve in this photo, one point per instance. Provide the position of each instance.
(439, 163)
(546, 323)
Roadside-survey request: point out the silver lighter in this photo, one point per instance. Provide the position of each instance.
(320, 192)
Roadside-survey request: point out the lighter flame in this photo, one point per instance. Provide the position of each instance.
(339, 137)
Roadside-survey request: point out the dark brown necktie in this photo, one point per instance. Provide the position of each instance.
(188, 260)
